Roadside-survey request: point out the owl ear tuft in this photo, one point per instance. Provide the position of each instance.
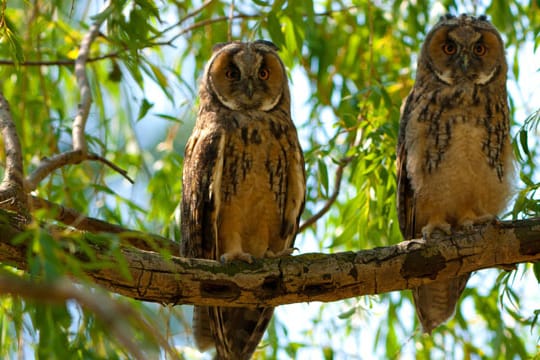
(219, 46)
(447, 16)
(267, 43)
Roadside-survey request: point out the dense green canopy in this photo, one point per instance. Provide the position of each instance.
(351, 63)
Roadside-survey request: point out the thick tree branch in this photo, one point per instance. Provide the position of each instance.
(307, 277)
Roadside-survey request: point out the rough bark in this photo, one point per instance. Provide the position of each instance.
(306, 277)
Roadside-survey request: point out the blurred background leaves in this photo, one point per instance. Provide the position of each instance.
(350, 65)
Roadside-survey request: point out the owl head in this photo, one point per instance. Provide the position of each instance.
(246, 76)
(463, 50)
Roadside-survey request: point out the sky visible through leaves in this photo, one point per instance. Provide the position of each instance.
(348, 75)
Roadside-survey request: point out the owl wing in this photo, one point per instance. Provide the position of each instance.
(405, 196)
(203, 163)
(296, 195)
(405, 193)
(202, 173)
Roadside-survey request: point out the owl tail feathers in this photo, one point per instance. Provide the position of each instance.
(238, 331)
(436, 302)
(201, 328)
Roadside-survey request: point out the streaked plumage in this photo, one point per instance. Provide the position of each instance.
(243, 181)
(455, 161)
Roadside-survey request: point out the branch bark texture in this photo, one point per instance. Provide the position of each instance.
(308, 277)
(12, 186)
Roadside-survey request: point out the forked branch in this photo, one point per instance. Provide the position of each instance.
(48, 165)
(80, 151)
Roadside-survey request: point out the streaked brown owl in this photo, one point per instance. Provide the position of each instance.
(243, 181)
(455, 161)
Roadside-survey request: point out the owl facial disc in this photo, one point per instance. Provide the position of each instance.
(247, 76)
(464, 51)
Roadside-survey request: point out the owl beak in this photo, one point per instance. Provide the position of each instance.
(249, 90)
(464, 63)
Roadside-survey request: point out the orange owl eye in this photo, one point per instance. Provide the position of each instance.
(264, 74)
(449, 48)
(479, 50)
(232, 74)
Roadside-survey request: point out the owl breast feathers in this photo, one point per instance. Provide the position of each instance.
(243, 181)
(455, 161)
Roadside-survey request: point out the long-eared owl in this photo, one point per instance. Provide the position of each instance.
(455, 160)
(243, 182)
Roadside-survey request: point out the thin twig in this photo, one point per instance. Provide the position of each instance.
(209, 22)
(191, 14)
(124, 173)
(337, 11)
(229, 28)
(79, 124)
(227, 18)
(48, 165)
(115, 54)
(12, 189)
(68, 62)
(113, 314)
(337, 185)
(60, 62)
(177, 24)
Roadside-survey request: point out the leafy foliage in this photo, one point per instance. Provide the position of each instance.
(351, 63)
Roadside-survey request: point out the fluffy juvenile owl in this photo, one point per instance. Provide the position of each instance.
(243, 182)
(455, 161)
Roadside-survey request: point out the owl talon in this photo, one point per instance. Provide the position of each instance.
(230, 256)
(484, 219)
(428, 230)
(467, 225)
(285, 252)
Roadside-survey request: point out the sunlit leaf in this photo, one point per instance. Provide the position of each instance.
(145, 107)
